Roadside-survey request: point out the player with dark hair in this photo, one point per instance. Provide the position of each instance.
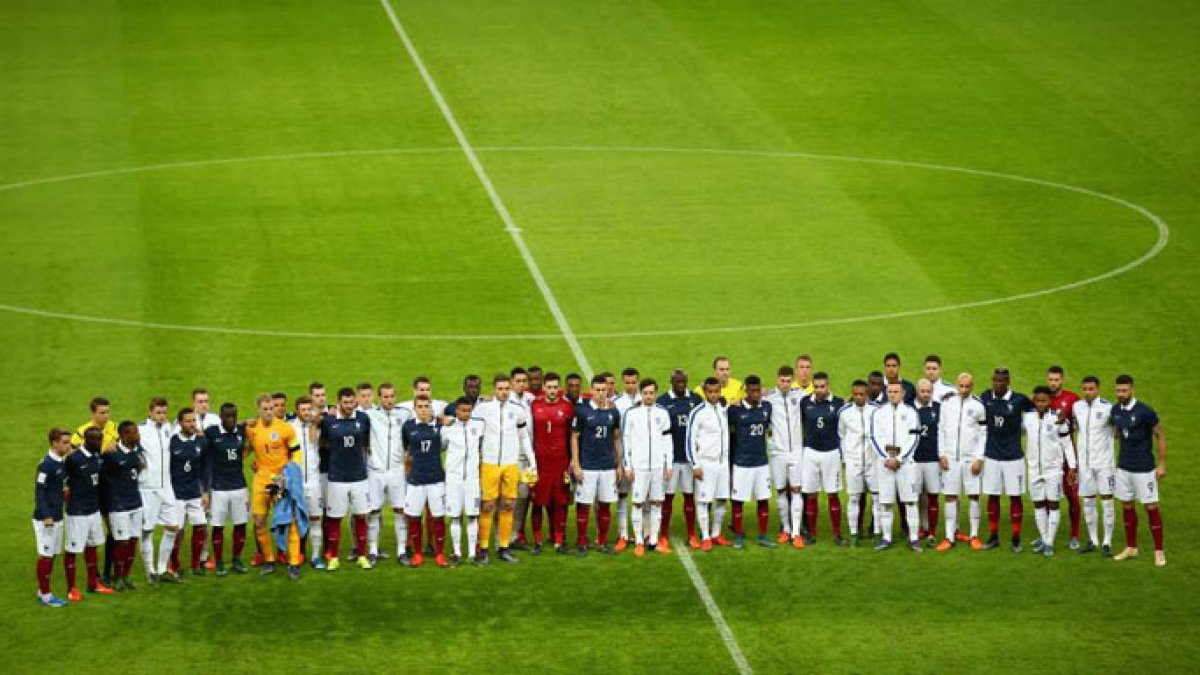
(48, 512)
(189, 482)
(708, 452)
(122, 466)
(749, 422)
(1092, 418)
(85, 530)
(1047, 448)
(596, 455)
(1003, 463)
(1137, 428)
(679, 402)
(426, 480)
(821, 462)
(230, 498)
(891, 373)
(574, 388)
(552, 417)
(346, 439)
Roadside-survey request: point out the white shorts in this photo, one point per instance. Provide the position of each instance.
(1046, 488)
(1003, 477)
(314, 498)
(1094, 482)
(417, 497)
(49, 539)
(462, 497)
(861, 478)
(158, 508)
(125, 525)
(232, 506)
(681, 479)
(647, 485)
(597, 486)
(781, 469)
(751, 483)
(714, 485)
(190, 511)
(391, 482)
(959, 479)
(84, 531)
(929, 478)
(342, 499)
(1140, 485)
(624, 487)
(821, 471)
(900, 484)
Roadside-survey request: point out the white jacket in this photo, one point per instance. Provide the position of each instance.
(156, 451)
(387, 445)
(787, 424)
(896, 425)
(646, 438)
(1094, 440)
(854, 433)
(708, 435)
(505, 433)
(461, 441)
(310, 450)
(1047, 444)
(962, 431)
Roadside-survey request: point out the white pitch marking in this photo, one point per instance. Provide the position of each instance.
(486, 181)
(710, 604)
(1161, 226)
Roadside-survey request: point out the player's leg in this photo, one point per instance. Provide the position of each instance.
(520, 515)
(240, 515)
(1014, 487)
(831, 484)
(199, 521)
(907, 491)
(657, 493)
(607, 493)
(740, 493)
(855, 486)
(1107, 483)
(704, 498)
(804, 512)
(360, 508)
(509, 479)
(761, 495)
(623, 490)
(171, 518)
(931, 486)
(260, 506)
(73, 547)
(585, 496)
(415, 498)
(992, 479)
(686, 485)
(489, 480)
(886, 499)
(1071, 492)
(1087, 490)
(638, 494)
(376, 492)
(779, 480)
(722, 493)
(92, 543)
(48, 539)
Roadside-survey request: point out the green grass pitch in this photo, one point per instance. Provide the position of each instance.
(294, 175)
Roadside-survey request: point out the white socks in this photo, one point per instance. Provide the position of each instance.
(1110, 519)
(797, 513)
(374, 521)
(472, 536)
(655, 522)
(975, 516)
(1089, 517)
(718, 518)
(1052, 526)
(786, 517)
(164, 549)
(702, 519)
(456, 535)
(951, 519)
(400, 523)
(914, 521)
(148, 552)
(638, 514)
(315, 538)
(1040, 517)
(883, 520)
(623, 516)
(852, 510)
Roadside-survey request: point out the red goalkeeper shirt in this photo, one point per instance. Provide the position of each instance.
(552, 433)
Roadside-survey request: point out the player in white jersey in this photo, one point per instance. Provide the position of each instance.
(385, 472)
(422, 387)
(629, 397)
(854, 432)
(520, 395)
(461, 440)
(1097, 467)
(205, 418)
(154, 482)
(786, 443)
(648, 451)
(961, 437)
(708, 450)
(1047, 445)
(942, 390)
(895, 431)
(308, 434)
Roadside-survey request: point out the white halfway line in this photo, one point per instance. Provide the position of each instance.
(684, 557)
(509, 225)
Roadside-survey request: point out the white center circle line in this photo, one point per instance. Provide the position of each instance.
(1160, 243)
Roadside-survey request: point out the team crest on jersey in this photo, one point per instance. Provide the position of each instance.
(274, 435)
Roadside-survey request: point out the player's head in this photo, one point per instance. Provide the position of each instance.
(520, 380)
(965, 384)
(1124, 388)
(629, 379)
(895, 393)
(1041, 398)
(93, 439)
(186, 419)
(127, 431)
(320, 399)
(462, 409)
(722, 369)
(891, 366)
(200, 401)
(611, 381)
(346, 401)
(472, 387)
(599, 389)
(228, 415)
(501, 385)
(265, 406)
(60, 441)
(712, 390)
(804, 368)
(858, 392)
(875, 384)
(387, 395)
(679, 381)
(158, 410)
(364, 395)
(421, 386)
(551, 386)
(1054, 379)
(753, 389)
(1090, 388)
(536, 378)
(304, 409)
(574, 386)
(100, 410)
(424, 408)
(820, 383)
(1000, 381)
(924, 390)
(784, 377)
(649, 391)
(279, 400)
(933, 367)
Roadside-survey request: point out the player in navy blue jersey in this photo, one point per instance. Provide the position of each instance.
(821, 462)
(595, 456)
(48, 511)
(749, 421)
(422, 439)
(679, 402)
(929, 468)
(346, 437)
(229, 496)
(1137, 427)
(122, 469)
(85, 529)
(189, 480)
(1003, 460)
(891, 373)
